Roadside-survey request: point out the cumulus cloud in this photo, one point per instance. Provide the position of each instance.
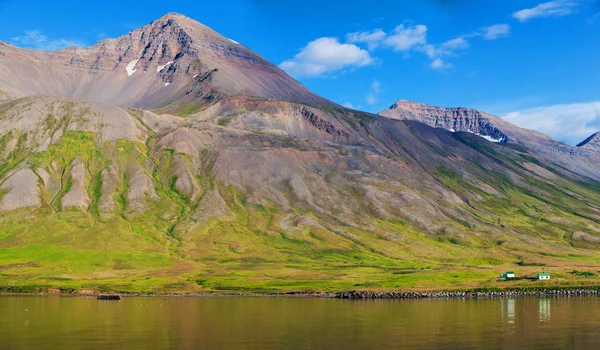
(372, 39)
(405, 38)
(33, 39)
(436, 53)
(557, 8)
(570, 123)
(496, 31)
(325, 55)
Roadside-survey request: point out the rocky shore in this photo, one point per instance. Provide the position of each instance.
(348, 295)
(354, 295)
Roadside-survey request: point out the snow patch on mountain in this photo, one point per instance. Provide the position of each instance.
(160, 68)
(131, 67)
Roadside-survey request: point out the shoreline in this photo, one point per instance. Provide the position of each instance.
(473, 294)
(356, 294)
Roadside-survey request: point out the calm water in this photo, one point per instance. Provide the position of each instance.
(267, 323)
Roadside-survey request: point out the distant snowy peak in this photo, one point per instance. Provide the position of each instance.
(453, 119)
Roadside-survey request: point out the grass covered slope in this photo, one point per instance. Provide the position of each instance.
(252, 195)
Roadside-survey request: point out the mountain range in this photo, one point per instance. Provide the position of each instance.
(173, 159)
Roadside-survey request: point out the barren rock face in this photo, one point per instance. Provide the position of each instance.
(21, 191)
(453, 119)
(495, 129)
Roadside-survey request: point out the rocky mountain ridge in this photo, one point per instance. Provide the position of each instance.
(592, 142)
(452, 119)
(495, 129)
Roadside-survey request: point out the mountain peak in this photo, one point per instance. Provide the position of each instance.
(173, 58)
(174, 18)
(174, 15)
(591, 142)
(406, 104)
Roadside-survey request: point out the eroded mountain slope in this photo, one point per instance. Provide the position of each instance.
(248, 186)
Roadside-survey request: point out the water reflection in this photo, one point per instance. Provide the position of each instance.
(544, 310)
(508, 311)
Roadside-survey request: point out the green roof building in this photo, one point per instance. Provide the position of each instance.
(543, 276)
(508, 274)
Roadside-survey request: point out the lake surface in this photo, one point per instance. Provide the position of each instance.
(280, 323)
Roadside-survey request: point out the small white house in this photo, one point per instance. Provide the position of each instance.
(508, 275)
(543, 276)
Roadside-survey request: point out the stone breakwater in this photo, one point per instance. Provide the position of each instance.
(355, 295)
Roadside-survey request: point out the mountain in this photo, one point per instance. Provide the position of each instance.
(172, 59)
(452, 119)
(495, 129)
(250, 183)
(592, 142)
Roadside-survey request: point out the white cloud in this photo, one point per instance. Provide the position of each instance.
(570, 123)
(459, 43)
(555, 8)
(376, 86)
(371, 97)
(436, 53)
(326, 55)
(405, 38)
(372, 39)
(432, 51)
(34, 39)
(496, 31)
(439, 64)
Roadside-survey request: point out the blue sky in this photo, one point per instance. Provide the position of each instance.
(536, 63)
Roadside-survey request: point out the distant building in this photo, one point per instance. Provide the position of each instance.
(508, 274)
(543, 276)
